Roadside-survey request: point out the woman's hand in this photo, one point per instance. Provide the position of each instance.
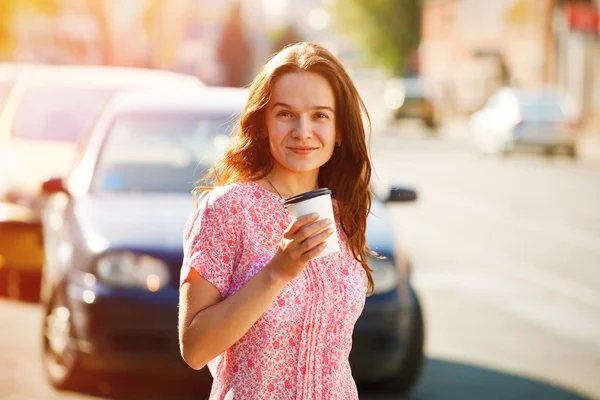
(302, 241)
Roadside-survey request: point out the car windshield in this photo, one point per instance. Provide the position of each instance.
(161, 153)
(541, 109)
(58, 113)
(414, 88)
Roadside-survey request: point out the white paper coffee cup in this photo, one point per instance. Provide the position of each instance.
(316, 201)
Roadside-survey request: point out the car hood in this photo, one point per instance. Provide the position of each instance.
(134, 220)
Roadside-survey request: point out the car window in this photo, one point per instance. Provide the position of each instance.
(413, 88)
(541, 109)
(160, 153)
(58, 113)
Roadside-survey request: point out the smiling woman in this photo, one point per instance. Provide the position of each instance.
(261, 302)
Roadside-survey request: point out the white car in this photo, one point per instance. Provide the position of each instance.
(46, 110)
(9, 72)
(50, 107)
(515, 118)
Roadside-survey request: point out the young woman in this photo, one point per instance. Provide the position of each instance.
(270, 319)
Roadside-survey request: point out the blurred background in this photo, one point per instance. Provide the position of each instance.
(488, 110)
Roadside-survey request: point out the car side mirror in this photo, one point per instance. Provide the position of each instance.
(53, 185)
(400, 194)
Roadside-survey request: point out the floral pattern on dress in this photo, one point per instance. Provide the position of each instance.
(299, 348)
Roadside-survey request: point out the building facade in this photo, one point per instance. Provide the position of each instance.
(472, 47)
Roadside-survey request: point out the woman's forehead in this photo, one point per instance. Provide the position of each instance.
(303, 88)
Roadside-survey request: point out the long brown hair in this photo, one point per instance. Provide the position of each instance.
(348, 171)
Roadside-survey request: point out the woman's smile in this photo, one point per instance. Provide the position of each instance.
(302, 150)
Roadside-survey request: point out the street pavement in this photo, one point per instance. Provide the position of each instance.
(506, 256)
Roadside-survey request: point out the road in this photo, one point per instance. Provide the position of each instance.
(506, 260)
(506, 255)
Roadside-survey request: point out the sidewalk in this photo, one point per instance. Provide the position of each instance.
(589, 143)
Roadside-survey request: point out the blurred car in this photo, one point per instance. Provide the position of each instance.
(16, 218)
(514, 118)
(413, 98)
(113, 232)
(9, 72)
(46, 112)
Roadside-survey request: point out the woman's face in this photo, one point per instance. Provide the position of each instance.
(300, 119)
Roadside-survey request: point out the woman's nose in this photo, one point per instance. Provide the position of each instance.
(303, 129)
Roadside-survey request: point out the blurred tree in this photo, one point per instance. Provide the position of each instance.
(286, 36)
(9, 9)
(388, 31)
(234, 50)
(97, 10)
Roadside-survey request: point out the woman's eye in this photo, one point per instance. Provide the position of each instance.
(321, 115)
(284, 114)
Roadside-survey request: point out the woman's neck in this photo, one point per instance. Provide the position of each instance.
(290, 184)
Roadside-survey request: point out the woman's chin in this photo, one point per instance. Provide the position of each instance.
(303, 167)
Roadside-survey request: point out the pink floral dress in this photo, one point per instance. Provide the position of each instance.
(298, 349)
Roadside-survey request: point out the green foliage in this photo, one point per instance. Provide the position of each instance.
(386, 30)
(285, 36)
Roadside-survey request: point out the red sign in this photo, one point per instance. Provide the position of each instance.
(583, 17)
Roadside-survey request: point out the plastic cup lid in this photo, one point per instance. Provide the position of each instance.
(306, 196)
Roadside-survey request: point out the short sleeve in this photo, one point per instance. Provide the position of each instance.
(210, 243)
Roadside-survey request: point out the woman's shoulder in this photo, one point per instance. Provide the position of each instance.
(220, 205)
(231, 194)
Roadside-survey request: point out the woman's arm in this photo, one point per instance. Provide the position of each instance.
(209, 325)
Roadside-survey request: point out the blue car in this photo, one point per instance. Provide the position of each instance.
(113, 248)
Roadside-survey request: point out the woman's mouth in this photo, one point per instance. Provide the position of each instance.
(302, 150)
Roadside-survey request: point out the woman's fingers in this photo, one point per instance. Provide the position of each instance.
(315, 240)
(309, 255)
(304, 238)
(298, 224)
(310, 229)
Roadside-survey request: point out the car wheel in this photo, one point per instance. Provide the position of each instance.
(430, 123)
(409, 370)
(59, 352)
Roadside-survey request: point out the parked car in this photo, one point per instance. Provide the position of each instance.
(113, 230)
(9, 72)
(413, 98)
(45, 113)
(14, 218)
(514, 118)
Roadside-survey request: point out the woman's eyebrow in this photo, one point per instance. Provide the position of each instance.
(324, 108)
(284, 105)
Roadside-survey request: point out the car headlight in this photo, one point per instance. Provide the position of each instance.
(385, 275)
(128, 269)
